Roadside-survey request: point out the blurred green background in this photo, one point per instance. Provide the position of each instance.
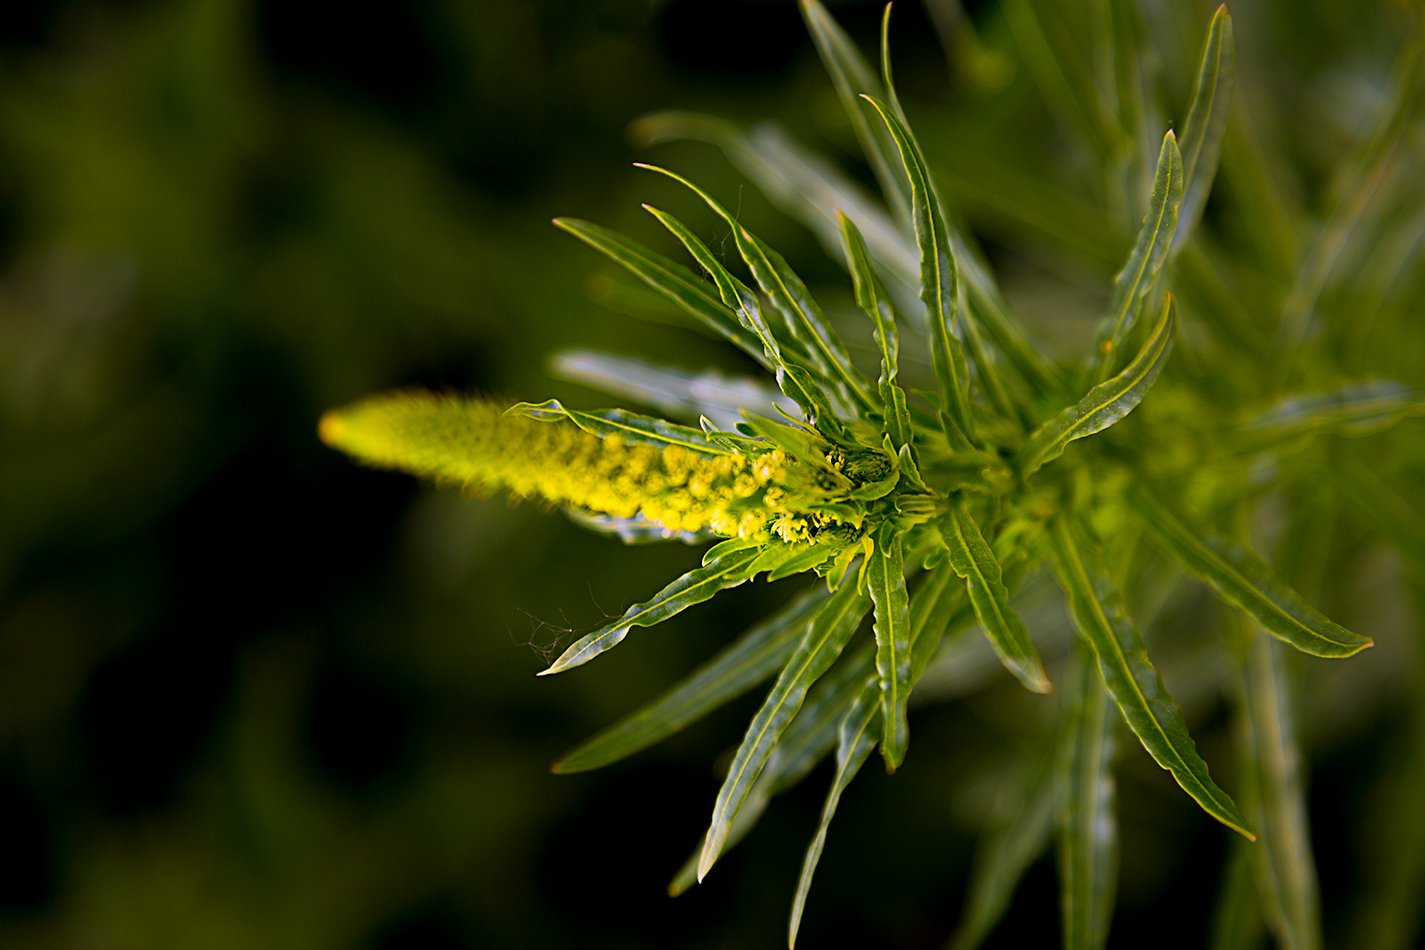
(254, 696)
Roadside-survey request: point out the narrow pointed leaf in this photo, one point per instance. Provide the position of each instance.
(885, 570)
(629, 426)
(670, 279)
(872, 298)
(789, 295)
(1149, 251)
(1244, 579)
(750, 660)
(853, 78)
(1006, 851)
(1135, 684)
(1387, 511)
(823, 642)
(939, 281)
(1207, 120)
(674, 391)
(1088, 823)
(811, 736)
(1236, 920)
(1285, 869)
(933, 608)
(856, 738)
(1107, 402)
(972, 559)
(692, 588)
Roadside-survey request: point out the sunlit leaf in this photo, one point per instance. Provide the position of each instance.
(674, 281)
(1136, 686)
(631, 427)
(748, 661)
(1150, 249)
(1244, 579)
(692, 588)
(1107, 402)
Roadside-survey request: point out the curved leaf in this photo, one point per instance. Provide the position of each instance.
(694, 587)
(1245, 580)
(1107, 402)
(972, 559)
(1150, 249)
(672, 280)
(619, 423)
(753, 657)
(1136, 686)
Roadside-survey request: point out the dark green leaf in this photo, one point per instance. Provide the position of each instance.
(753, 657)
(1136, 686)
(972, 559)
(1207, 120)
(872, 298)
(885, 572)
(1245, 580)
(823, 642)
(692, 588)
(1088, 823)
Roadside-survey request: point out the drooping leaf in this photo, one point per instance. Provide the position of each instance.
(678, 393)
(939, 283)
(1207, 120)
(1275, 798)
(855, 740)
(1088, 823)
(1007, 850)
(811, 736)
(1136, 686)
(820, 646)
(1244, 579)
(672, 280)
(885, 572)
(631, 427)
(972, 559)
(789, 295)
(694, 587)
(1150, 249)
(748, 661)
(1107, 402)
(872, 298)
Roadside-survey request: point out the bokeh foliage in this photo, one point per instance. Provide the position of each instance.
(255, 697)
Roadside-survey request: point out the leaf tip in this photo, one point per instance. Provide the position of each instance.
(330, 428)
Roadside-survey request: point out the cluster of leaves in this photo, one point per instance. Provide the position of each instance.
(928, 510)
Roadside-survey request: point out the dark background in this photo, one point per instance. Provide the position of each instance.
(253, 695)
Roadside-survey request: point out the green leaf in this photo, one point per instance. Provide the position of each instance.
(672, 280)
(872, 298)
(939, 282)
(1276, 799)
(630, 427)
(1007, 850)
(671, 390)
(1245, 580)
(1387, 511)
(933, 608)
(1356, 409)
(1207, 121)
(855, 740)
(1088, 824)
(1150, 249)
(789, 295)
(812, 734)
(1136, 686)
(854, 78)
(748, 661)
(1106, 403)
(972, 559)
(692, 588)
(1063, 78)
(823, 642)
(1236, 923)
(885, 570)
